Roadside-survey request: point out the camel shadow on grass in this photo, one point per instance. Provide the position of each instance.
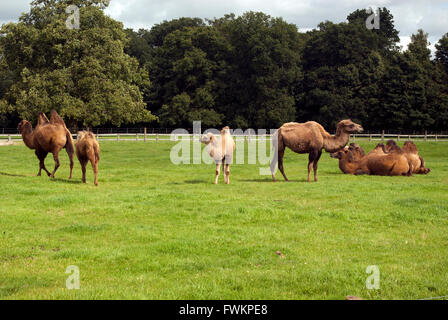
(60, 180)
(195, 181)
(269, 180)
(13, 175)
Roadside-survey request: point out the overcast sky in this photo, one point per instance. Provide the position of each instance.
(409, 15)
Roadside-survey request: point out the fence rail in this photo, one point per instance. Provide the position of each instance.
(145, 137)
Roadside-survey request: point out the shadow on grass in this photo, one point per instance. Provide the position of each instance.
(194, 181)
(60, 180)
(269, 180)
(12, 175)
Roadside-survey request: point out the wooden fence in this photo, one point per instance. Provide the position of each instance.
(146, 137)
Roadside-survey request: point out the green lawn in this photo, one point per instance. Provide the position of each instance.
(153, 230)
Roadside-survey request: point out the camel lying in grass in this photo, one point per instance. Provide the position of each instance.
(221, 150)
(353, 160)
(88, 149)
(410, 151)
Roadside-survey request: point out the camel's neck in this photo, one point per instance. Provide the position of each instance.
(28, 136)
(336, 142)
(354, 166)
(347, 167)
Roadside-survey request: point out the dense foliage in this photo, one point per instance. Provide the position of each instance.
(248, 71)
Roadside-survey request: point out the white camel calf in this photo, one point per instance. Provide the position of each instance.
(221, 150)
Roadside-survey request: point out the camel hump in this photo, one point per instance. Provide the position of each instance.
(56, 118)
(290, 126)
(410, 147)
(85, 135)
(42, 119)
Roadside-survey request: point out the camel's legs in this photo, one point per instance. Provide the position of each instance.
(95, 169)
(56, 163)
(83, 168)
(316, 160)
(280, 148)
(70, 156)
(227, 173)
(218, 169)
(281, 153)
(41, 155)
(311, 158)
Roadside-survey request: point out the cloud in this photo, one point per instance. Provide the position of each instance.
(409, 15)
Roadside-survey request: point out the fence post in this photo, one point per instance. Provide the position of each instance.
(436, 137)
(157, 138)
(398, 138)
(136, 137)
(145, 134)
(382, 136)
(9, 138)
(426, 135)
(118, 137)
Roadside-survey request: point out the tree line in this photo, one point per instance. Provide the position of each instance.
(248, 71)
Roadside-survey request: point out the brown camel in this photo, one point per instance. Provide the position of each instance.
(48, 136)
(410, 151)
(311, 138)
(352, 160)
(88, 149)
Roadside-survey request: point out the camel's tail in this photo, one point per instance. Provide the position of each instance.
(96, 150)
(275, 147)
(70, 145)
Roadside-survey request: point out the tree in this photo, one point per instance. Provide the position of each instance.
(387, 33)
(438, 89)
(343, 68)
(188, 71)
(264, 70)
(404, 99)
(418, 46)
(83, 74)
(442, 51)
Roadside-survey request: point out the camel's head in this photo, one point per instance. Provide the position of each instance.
(341, 154)
(350, 127)
(349, 153)
(225, 130)
(207, 138)
(356, 152)
(22, 125)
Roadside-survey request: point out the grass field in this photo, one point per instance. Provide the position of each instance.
(153, 230)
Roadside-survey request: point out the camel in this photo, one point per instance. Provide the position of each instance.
(221, 150)
(48, 136)
(353, 160)
(410, 151)
(88, 149)
(311, 138)
(380, 149)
